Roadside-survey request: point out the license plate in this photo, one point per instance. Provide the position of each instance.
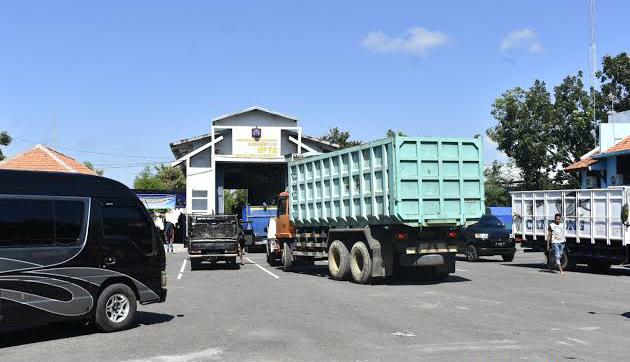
(500, 244)
(481, 236)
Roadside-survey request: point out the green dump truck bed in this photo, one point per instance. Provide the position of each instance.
(417, 181)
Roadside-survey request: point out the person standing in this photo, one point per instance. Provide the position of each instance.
(169, 235)
(556, 239)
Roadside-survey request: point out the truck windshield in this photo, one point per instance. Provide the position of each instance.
(282, 205)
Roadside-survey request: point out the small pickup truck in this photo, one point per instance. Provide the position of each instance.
(213, 238)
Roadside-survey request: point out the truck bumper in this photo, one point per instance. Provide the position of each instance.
(427, 260)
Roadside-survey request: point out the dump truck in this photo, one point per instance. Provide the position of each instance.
(255, 221)
(213, 238)
(376, 208)
(595, 224)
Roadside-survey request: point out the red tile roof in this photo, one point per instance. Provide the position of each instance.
(44, 158)
(623, 145)
(581, 164)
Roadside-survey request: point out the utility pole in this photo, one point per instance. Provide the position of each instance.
(592, 54)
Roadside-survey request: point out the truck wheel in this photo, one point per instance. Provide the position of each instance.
(571, 263)
(471, 253)
(338, 260)
(440, 273)
(115, 308)
(360, 263)
(508, 257)
(287, 258)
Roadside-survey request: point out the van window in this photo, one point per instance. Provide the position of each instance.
(68, 221)
(123, 223)
(26, 222)
(40, 222)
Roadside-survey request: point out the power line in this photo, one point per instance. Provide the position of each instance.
(90, 152)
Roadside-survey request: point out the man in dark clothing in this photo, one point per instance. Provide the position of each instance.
(169, 235)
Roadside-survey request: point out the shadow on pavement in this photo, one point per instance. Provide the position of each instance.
(482, 259)
(407, 277)
(579, 269)
(55, 331)
(217, 266)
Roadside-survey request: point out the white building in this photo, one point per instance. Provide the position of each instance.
(244, 150)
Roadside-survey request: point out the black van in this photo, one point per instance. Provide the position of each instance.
(75, 247)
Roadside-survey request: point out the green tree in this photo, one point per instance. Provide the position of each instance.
(5, 140)
(90, 165)
(495, 186)
(160, 177)
(525, 120)
(391, 133)
(339, 137)
(615, 78)
(234, 200)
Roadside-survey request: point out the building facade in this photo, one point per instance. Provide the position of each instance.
(244, 150)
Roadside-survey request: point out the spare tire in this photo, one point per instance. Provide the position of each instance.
(338, 260)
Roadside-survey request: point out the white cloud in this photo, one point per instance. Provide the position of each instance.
(522, 38)
(416, 41)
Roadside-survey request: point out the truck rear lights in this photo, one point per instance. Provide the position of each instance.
(452, 234)
(400, 236)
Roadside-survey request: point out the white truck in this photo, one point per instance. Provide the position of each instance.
(596, 223)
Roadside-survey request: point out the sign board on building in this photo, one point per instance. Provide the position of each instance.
(246, 145)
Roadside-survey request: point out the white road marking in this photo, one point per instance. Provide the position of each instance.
(207, 354)
(564, 343)
(577, 340)
(404, 334)
(263, 269)
(589, 328)
(493, 345)
(181, 270)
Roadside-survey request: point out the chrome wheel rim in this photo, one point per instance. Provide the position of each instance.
(469, 254)
(117, 308)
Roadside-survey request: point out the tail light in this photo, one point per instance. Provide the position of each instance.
(401, 236)
(452, 234)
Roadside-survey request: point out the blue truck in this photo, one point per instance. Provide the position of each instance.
(254, 221)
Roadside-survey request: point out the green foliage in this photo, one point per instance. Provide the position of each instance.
(391, 133)
(5, 140)
(90, 165)
(495, 187)
(234, 200)
(161, 177)
(543, 136)
(615, 78)
(340, 138)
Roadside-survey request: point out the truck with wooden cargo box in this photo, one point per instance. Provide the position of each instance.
(373, 209)
(595, 222)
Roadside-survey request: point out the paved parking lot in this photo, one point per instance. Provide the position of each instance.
(488, 310)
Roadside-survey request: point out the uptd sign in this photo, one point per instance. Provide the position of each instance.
(244, 144)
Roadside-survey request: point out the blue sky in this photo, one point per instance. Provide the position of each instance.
(114, 82)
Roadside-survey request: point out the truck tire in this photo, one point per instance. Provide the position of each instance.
(360, 263)
(508, 257)
(338, 260)
(471, 253)
(115, 308)
(287, 258)
(440, 273)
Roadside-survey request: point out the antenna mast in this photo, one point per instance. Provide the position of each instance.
(592, 54)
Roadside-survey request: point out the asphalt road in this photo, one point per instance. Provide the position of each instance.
(488, 310)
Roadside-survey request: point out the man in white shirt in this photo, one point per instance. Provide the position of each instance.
(557, 240)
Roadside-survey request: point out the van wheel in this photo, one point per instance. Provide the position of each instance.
(338, 260)
(115, 308)
(471, 253)
(287, 258)
(360, 263)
